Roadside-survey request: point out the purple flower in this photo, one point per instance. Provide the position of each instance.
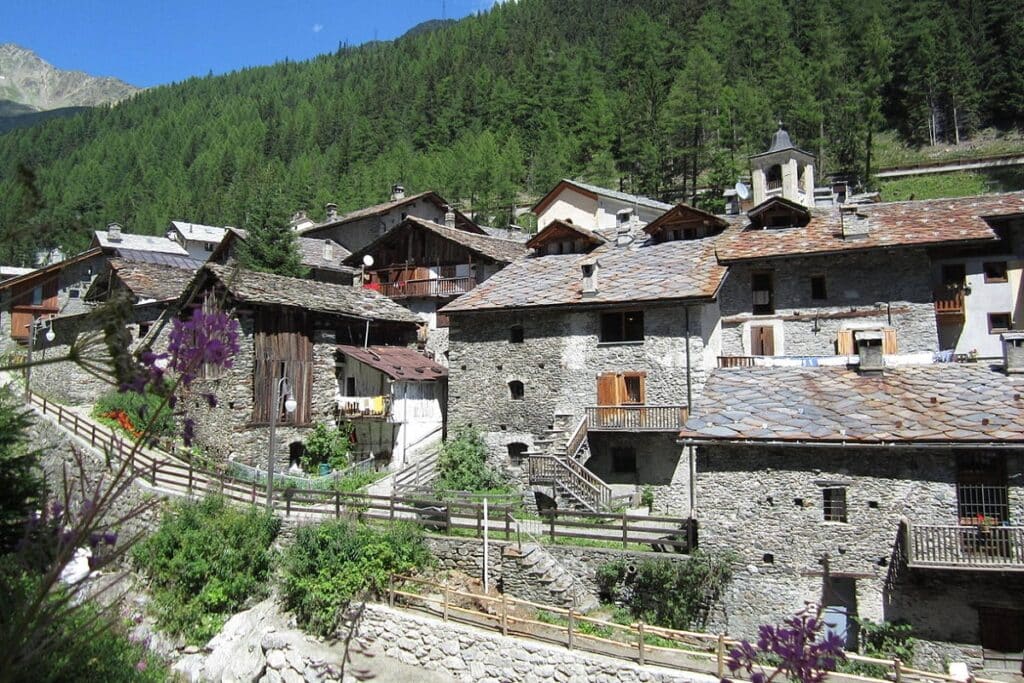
(110, 537)
(204, 339)
(188, 431)
(141, 665)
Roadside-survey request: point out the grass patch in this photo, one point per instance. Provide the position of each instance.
(934, 186)
(889, 151)
(206, 562)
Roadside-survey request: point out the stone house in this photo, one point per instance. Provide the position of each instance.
(594, 208)
(393, 397)
(198, 240)
(881, 491)
(290, 329)
(585, 354)
(322, 257)
(423, 265)
(357, 229)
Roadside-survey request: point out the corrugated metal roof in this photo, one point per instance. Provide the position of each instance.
(199, 232)
(139, 243)
(397, 362)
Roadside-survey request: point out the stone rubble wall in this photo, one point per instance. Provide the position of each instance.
(476, 656)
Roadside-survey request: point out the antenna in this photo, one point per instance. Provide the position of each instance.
(742, 191)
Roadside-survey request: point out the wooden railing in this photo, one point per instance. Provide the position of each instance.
(636, 418)
(579, 436)
(736, 361)
(949, 301)
(580, 482)
(965, 547)
(428, 287)
(364, 406)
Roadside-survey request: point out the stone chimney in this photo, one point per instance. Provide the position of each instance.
(114, 232)
(449, 217)
(869, 350)
(328, 250)
(1013, 352)
(855, 224)
(589, 269)
(397, 192)
(332, 211)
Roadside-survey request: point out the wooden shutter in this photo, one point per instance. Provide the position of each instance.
(844, 343)
(889, 340)
(762, 340)
(282, 348)
(608, 389)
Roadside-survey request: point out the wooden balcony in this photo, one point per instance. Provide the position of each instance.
(949, 302)
(439, 288)
(368, 407)
(636, 418)
(972, 548)
(736, 361)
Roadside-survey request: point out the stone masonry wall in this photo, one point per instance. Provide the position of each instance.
(477, 656)
(862, 290)
(765, 505)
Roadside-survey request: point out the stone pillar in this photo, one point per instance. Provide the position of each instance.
(758, 180)
(790, 180)
(808, 187)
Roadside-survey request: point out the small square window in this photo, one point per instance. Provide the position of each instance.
(515, 334)
(208, 246)
(620, 327)
(623, 460)
(998, 322)
(74, 293)
(143, 330)
(834, 504)
(995, 271)
(818, 291)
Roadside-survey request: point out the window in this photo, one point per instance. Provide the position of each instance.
(37, 296)
(516, 390)
(621, 388)
(143, 330)
(350, 386)
(954, 274)
(515, 334)
(818, 292)
(634, 386)
(998, 322)
(623, 460)
(208, 246)
(74, 293)
(981, 489)
(833, 504)
(622, 327)
(995, 271)
(762, 340)
(761, 293)
(517, 452)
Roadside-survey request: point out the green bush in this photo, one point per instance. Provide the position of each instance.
(673, 594)
(327, 444)
(20, 485)
(205, 562)
(330, 563)
(357, 481)
(462, 466)
(139, 409)
(885, 640)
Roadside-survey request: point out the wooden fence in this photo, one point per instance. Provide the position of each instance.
(637, 418)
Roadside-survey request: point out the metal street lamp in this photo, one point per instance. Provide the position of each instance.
(33, 328)
(278, 389)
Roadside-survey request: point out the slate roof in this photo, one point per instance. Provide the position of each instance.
(500, 250)
(940, 403)
(311, 251)
(199, 232)
(50, 269)
(461, 221)
(558, 229)
(150, 280)
(602, 192)
(320, 297)
(159, 258)
(397, 362)
(915, 223)
(138, 242)
(639, 272)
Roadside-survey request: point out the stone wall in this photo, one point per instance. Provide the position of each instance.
(877, 288)
(766, 505)
(478, 656)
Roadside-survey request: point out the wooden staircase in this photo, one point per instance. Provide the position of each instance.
(558, 464)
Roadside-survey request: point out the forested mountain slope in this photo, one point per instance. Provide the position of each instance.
(649, 93)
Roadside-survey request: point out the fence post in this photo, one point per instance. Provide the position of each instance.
(551, 521)
(625, 530)
(445, 607)
(93, 439)
(190, 476)
(391, 505)
(448, 520)
(504, 615)
(253, 500)
(391, 590)
(153, 475)
(572, 620)
(337, 504)
(720, 652)
(897, 668)
(479, 522)
(640, 642)
(508, 524)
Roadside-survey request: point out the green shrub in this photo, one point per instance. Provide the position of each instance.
(205, 562)
(330, 563)
(673, 594)
(139, 409)
(647, 498)
(885, 640)
(329, 445)
(462, 465)
(20, 485)
(357, 481)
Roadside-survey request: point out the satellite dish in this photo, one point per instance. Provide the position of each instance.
(367, 260)
(742, 191)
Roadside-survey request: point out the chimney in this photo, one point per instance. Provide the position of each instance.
(332, 210)
(397, 192)
(449, 216)
(328, 250)
(1013, 352)
(589, 270)
(869, 350)
(854, 224)
(114, 232)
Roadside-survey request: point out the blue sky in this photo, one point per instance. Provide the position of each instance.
(150, 42)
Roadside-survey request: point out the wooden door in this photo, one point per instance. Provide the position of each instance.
(762, 340)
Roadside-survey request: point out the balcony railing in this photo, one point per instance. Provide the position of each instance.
(981, 547)
(949, 301)
(634, 418)
(573, 477)
(429, 287)
(354, 407)
(736, 361)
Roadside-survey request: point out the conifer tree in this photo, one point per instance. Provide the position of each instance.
(271, 245)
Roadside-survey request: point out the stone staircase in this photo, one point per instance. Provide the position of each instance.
(541, 578)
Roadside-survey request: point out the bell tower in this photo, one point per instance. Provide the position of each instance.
(783, 171)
